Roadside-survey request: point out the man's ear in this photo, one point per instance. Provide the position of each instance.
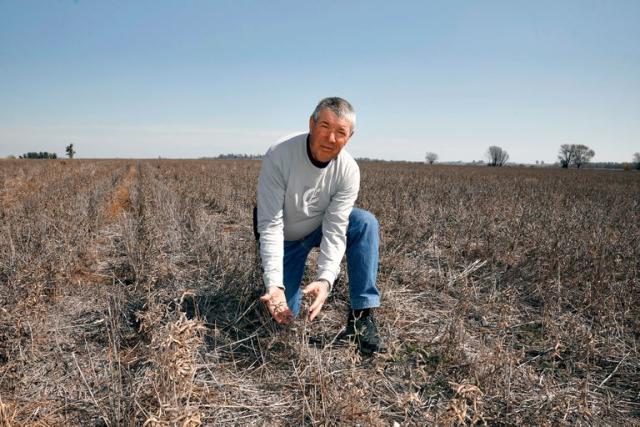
(312, 122)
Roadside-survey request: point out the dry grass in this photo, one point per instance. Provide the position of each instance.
(128, 297)
(121, 200)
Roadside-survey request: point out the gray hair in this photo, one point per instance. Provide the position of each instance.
(340, 107)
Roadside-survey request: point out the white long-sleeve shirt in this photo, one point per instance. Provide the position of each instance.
(295, 197)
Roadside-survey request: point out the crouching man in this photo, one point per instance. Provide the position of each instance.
(306, 191)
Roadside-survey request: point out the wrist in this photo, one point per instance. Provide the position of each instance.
(275, 288)
(326, 282)
(327, 276)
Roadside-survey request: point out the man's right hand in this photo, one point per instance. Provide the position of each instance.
(276, 302)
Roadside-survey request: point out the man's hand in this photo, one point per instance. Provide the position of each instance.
(276, 302)
(320, 290)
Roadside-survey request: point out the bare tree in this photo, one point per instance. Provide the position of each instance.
(582, 154)
(431, 157)
(574, 154)
(636, 160)
(496, 156)
(565, 155)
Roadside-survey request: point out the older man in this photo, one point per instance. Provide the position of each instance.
(307, 188)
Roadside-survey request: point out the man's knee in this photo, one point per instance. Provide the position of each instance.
(361, 220)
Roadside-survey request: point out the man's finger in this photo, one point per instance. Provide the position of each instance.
(278, 309)
(315, 312)
(278, 317)
(266, 299)
(283, 317)
(318, 301)
(317, 305)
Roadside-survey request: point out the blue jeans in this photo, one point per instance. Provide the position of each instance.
(362, 262)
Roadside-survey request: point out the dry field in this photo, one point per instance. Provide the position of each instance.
(128, 297)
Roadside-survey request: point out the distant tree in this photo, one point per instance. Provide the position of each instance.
(574, 154)
(236, 156)
(496, 156)
(39, 155)
(582, 155)
(431, 157)
(565, 155)
(606, 165)
(636, 160)
(70, 151)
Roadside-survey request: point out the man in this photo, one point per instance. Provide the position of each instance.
(306, 191)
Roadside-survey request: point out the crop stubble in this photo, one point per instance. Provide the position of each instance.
(129, 295)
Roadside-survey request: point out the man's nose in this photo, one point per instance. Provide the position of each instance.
(332, 137)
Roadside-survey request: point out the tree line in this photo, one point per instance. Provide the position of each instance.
(234, 156)
(568, 155)
(46, 155)
(39, 155)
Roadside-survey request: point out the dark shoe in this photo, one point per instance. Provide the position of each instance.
(363, 330)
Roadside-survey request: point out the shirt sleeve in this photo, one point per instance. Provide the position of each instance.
(271, 192)
(334, 226)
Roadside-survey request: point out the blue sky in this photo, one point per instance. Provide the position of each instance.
(200, 78)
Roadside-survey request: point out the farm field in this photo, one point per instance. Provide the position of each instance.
(128, 296)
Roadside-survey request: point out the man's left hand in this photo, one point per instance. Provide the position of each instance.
(320, 290)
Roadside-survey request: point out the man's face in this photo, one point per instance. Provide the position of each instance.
(328, 136)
